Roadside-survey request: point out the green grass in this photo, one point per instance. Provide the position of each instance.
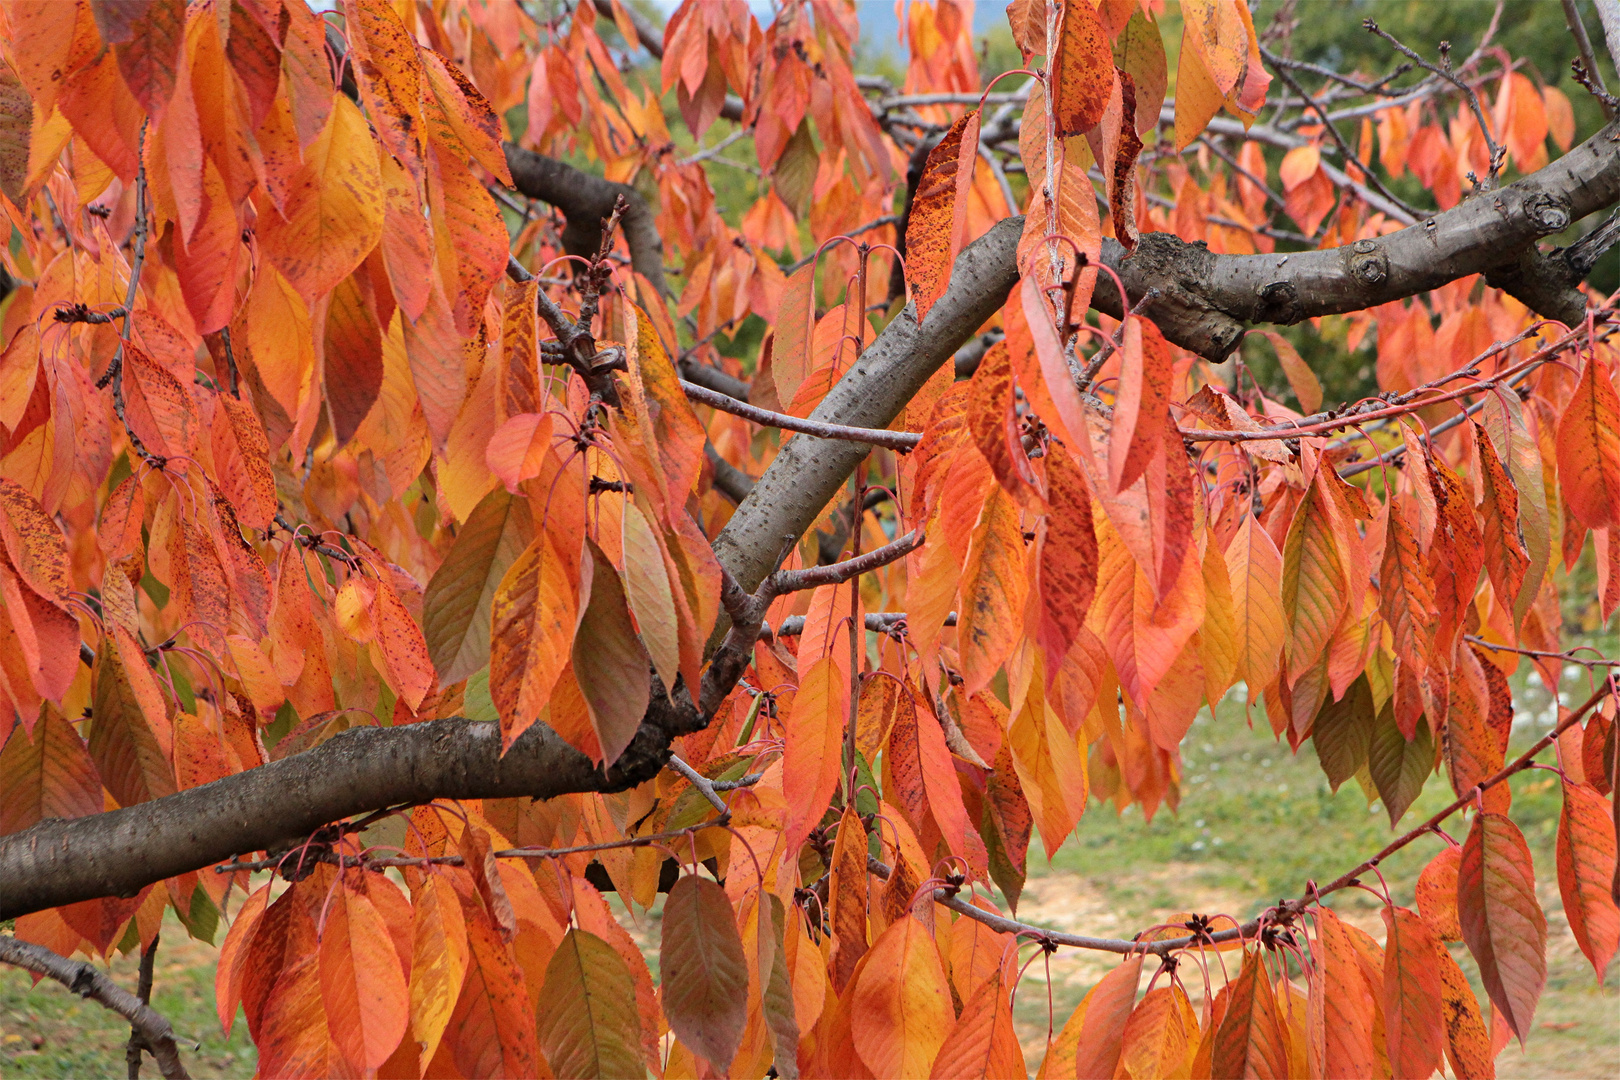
(1255, 823)
(48, 1031)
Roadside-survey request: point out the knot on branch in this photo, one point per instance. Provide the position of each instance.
(1548, 213)
(1368, 263)
(1279, 303)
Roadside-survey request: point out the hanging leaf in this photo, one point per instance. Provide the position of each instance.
(532, 618)
(900, 1005)
(610, 665)
(1586, 857)
(589, 1027)
(1250, 1040)
(1501, 918)
(1413, 1024)
(1589, 448)
(815, 732)
(705, 975)
(461, 594)
(363, 990)
(1082, 70)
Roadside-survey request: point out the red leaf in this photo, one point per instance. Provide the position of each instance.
(1586, 858)
(1413, 1026)
(1501, 918)
(1589, 448)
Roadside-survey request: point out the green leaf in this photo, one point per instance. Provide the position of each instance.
(1343, 731)
(1398, 767)
(705, 975)
(456, 606)
(587, 1022)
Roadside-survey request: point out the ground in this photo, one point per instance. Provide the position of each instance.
(1255, 822)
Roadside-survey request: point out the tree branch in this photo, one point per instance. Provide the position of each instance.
(587, 200)
(85, 980)
(120, 852)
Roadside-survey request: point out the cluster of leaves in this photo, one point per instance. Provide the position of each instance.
(286, 449)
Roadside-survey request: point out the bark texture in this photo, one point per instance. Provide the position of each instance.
(586, 201)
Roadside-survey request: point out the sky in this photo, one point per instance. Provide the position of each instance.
(879, 25)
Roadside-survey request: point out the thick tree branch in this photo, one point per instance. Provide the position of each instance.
(87, 981)
(586, 201)
(808, 472)
(120, 852)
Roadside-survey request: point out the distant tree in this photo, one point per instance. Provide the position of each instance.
(422, 476)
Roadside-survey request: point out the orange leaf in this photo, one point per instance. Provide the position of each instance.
(1082, 71)
(811, 761)
(983, 1043)
(439, 959)
(932, 237)
(1142, 407)
(46, 774)
(1501, 918)
(1468, 1042)
(362, 986)
(518, 449)
(849, 895)
(1250, 1039)
(1341, 1009)
(1589, 448)
(647, 589)
(1254, 568)
(492, 1030)
(405, 654)
(935, 769)
(1307, 388)
(900, 1004)
(334, 211)
(790, 358)
(1098, 1026)
(1586, 857)
(532, 624)
(993, 592)
(1160, 1036)
(1412, 1025)
(1437, 893)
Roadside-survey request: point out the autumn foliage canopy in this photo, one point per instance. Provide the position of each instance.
(410, 443)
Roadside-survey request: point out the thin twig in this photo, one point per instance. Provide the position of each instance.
(1349, 155)
(1588, 59)
(1445, 72)
(143, 990)
(89, 982)
(787, 581)
(1282, 913)
(701, 782)
(900, 441)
